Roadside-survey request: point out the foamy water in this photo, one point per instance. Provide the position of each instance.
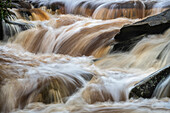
(107, 9)
(26, 77)
(52, 67)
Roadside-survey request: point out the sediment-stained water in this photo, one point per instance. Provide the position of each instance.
(105, 9)
(62, 64)
(65, 82)
(72, 35)
(25, 77)
(131, 106)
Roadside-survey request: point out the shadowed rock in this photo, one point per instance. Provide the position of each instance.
(152, 25)
(147, 86)
(21, 4)
(1, 30)
(10, 28)
(129, 35)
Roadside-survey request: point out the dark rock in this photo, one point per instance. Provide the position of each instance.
(146, 87)
(162, 89)
(10, 28)
(126, 45)
(1, 30)
(56, 6)
(130, 35)
(21, 4)
(59, 6)
(150, 4)
(152, 25)
(26, 14)
(128, 5)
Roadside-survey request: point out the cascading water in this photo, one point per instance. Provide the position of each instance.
(91, 37)
(53, 67)
(106, 9)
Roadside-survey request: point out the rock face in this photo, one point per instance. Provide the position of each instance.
(129, 35)
(146, 87)
(10, 28)
(21, 4)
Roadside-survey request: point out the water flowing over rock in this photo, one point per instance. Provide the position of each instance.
(129, 35)
(37, 79)
(68, 32)
(21, 4)
(10, 25)
(146, 87)
(105, 9)
(32, 14)
(11, 28)
(162, 89)
(51, 66)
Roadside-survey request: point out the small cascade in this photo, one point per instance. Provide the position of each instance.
(12, 27)
(76, 36)
(144, 56)
(51, 78)
(40, 78)
(107, 9)
(152, 51)
(60, 56)
(16, 23)
(163, 89)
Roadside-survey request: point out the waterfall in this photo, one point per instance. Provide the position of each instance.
(152, 51)
(75, 36)
(162, 89)
(106, 9)
(57, 58)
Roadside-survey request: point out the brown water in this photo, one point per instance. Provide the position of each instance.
(106, 9)
(61, 80)
(51, 68)
(72, 35)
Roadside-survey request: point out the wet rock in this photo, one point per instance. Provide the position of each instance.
(152, 25)
(126, 45)
(162, 89)
(10, 28)
(129, 35)
(58, 6)
(147, 86)
(21, 4)
(33, 14)
(1, 30)
(56, 90)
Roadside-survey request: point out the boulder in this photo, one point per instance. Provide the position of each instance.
(129, 35)
(147, 86)
(21, 4)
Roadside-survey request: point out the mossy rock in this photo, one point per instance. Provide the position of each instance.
(146, 87)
